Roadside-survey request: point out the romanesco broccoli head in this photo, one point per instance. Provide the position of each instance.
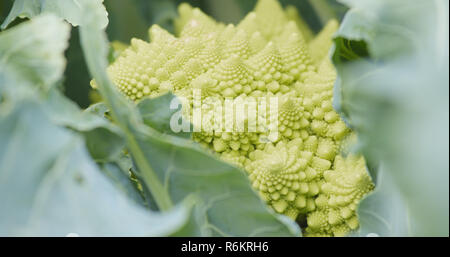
(271, 53)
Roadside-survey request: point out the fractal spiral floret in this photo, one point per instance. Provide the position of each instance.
(301, 172)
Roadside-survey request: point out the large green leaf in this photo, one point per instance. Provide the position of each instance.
(32, 55)
(186, 168)
(50, 187)
(384, 212)
(32, 62)
(392, 88)
(119, 171)
(230, 206)
(171, 168)
(70, 10)
(49, 184)
(103, 139)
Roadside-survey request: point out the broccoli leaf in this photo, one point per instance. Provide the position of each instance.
(103, 139)
(50, 187)
(49, 184)
(33, 66)
(70, 10)
(392, 61)
(384, 212)
(119, 171)
(32, 56)
(230, 206)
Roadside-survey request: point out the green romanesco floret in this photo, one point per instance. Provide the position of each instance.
(271, 53)
(341, 190)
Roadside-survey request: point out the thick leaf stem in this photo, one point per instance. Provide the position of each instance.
(156, 188)
(120, 111)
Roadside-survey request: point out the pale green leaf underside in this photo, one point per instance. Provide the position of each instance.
(49, 184)
(72, 11)
(50, 187)
(384, 212)
(230, 206)
(32, 55)
(103, 139)
(396, 99)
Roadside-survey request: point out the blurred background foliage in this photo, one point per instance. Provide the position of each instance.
(132, 18)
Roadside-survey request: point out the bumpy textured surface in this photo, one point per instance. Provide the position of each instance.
(270, 53)
(340, 192)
